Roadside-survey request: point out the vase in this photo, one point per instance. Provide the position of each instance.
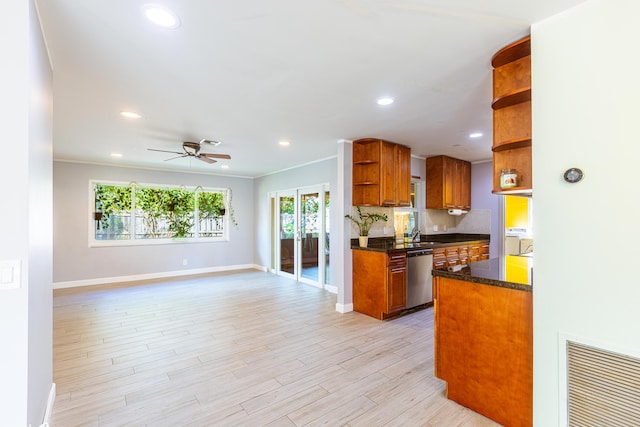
(364, 240)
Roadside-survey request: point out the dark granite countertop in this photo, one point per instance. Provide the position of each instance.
(488, 272)
(428, 241)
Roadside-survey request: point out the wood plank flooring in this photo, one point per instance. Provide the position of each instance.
(243, 348)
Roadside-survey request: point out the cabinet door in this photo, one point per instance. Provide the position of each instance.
(403, 176)
(474, 252)
(452, 256)
(434, 185)
(439, 259)
(396, 288)
(484, 251)
(451, 189)
(465, 184)
(463, 254)
(387, 174)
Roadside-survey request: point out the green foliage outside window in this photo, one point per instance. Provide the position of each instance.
(158, 212)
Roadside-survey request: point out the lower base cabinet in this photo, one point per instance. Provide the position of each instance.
(379, 283)
(483, 339)
(449, 256)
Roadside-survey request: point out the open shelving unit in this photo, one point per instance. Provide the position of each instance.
(512, 115)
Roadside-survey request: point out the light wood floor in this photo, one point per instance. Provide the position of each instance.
(245, 348)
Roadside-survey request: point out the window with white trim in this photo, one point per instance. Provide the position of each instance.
(131, 213)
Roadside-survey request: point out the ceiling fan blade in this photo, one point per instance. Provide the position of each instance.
(215, 156)
(164, 151)
(206, 159)
(177, 157)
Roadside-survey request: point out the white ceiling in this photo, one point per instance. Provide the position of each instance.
(250, 73)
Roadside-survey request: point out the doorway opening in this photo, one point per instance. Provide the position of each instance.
(300, 234)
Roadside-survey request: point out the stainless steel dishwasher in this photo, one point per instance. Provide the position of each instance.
(419, 263)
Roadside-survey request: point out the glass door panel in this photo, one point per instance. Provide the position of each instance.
(302, 239)
(327, 276)
(287, 228)
(310, 221)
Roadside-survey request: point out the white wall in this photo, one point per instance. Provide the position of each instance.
(76, 263)
(586, 87)
(25, 217)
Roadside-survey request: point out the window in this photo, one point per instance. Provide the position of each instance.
(126, 214)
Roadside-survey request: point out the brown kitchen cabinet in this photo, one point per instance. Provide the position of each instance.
(448, 183)
(439, 259)
(484, 251)
(464, 253)
(379, 283)
(485, 355)
(381, 174)
(512, 115)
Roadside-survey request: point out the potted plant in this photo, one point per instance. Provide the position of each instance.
(366, 219)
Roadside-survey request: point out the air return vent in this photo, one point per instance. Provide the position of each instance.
(603, 387)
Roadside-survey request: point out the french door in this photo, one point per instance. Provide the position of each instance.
(302, 240)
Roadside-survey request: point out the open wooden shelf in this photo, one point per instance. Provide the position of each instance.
(512, 98)
(511, 106)
(519, 191)
(512, 52)
(512, 143)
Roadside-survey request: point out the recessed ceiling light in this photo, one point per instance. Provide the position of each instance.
(116, 155)
(161, 16)
(475, 135)
(284, 143)
(130, 114)
(224, 166)
(385, 101)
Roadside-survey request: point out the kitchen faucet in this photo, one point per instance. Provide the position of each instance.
(415, 233)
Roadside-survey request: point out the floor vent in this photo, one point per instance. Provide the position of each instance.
(603, 388)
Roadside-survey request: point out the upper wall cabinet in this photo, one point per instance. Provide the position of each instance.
(448, 183)
(512, 115)
(381, 173)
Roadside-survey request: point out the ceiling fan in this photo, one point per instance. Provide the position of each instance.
(192, 149)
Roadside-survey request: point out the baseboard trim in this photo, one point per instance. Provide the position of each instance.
(344, 308)
(149, 276)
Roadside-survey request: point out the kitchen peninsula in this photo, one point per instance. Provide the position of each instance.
(483, 338)
(384, 271)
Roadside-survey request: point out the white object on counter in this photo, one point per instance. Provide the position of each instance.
(456, 212)
(456, 268)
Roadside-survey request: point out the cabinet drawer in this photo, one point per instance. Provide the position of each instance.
(396, 261)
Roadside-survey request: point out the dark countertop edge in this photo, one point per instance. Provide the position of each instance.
(386, 244)
(454, 237)
(482, 280)
(396, 249)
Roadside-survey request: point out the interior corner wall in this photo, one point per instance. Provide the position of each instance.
(25, 225)
(75, 261)
(585, 90)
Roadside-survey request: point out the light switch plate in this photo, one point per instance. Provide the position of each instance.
(9, 274)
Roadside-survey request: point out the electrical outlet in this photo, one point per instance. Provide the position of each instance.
(184, 261)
